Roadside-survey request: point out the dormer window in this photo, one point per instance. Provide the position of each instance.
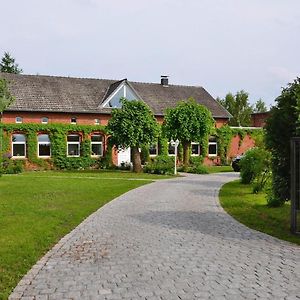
(123, 91)
(44, 120)
(19, 120)
(74, 120)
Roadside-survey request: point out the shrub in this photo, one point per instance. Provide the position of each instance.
(255, 168)
(10, 166)
(161, 164)
(197, 169)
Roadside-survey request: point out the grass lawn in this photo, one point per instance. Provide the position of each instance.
(38, 208)
(219, 169)
(251, 209)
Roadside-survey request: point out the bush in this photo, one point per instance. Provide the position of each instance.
(197, 169)
(161, 164)
(10, 166)
(255, 168)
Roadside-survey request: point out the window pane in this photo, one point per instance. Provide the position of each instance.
(212, 149)
(19, 119)
(18, 149)
(45, 120)
(171, 149)
(44, 149)
(73, 120)
(153, 149)
(96, 138)
(43, 138)
(115, 101)
(97, 149)
(73, 149)
(129, 94)
(195, 149)
(73, 138)
(18, 138)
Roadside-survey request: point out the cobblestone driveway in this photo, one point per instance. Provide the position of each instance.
(166, 240)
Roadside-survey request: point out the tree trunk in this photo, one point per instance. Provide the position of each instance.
(186, 153)
(136, 160)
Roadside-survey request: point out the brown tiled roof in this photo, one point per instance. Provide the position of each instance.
(67, 94)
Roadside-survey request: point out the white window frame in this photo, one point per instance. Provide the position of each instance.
(156, 148)
(72, 122)
(199, 150)
(20, 121)
(97, 122)
(18, 143)
(44, 122)
(213, 154)
(43, 143)
(97, 143)
(125, 86)
(73, 143)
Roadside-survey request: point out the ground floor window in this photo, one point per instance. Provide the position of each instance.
(97, 145)
(44, 145)
(19, 145)
(153, 150)
(195, 149)
(212, 146)
(73, 145)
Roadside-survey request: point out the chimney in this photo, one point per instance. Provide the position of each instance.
(164, 81)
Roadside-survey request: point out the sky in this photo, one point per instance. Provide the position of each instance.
(222, 45)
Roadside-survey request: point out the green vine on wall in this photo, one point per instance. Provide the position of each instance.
(58, 138)
(225, 134)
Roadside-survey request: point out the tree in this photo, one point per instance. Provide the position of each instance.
(5, 100)
(239, 107)
(133, 125)
(8, 64)
(283, 124)
(188, 122)
(260, 106)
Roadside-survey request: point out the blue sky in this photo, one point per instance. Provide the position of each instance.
(222, 45)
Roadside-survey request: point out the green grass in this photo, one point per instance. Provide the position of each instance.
(251, 209)
(38, 208)
(219, 169)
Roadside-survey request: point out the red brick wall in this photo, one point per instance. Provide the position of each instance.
(259, 119)
(236, 148)
(64, 118)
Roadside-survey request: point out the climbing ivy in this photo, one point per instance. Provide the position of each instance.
(225, 134)
(58, 137)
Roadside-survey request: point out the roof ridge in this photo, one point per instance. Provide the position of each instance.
(157, 83)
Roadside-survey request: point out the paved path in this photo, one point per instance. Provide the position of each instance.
(166, 240)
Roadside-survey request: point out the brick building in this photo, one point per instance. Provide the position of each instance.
(83, 101)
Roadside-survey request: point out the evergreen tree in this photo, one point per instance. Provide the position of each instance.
(8, 64)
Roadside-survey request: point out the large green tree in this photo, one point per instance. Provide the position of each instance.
(5, 100)
(133, 125)
(239, 107)
(260, 106)
(283, 123)
(8, 65)
(188, 122)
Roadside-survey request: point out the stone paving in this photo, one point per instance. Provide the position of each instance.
(166, 240)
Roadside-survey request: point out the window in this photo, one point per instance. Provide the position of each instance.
(45, 120)
(171, 149)
(212, 146)
(97, 145)
(124, 91)
(73, 145)
(153, 150)
(19, 120)
(19, 145)
(44, 145)
(73, 120)
(97, 121)
(195, 147)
